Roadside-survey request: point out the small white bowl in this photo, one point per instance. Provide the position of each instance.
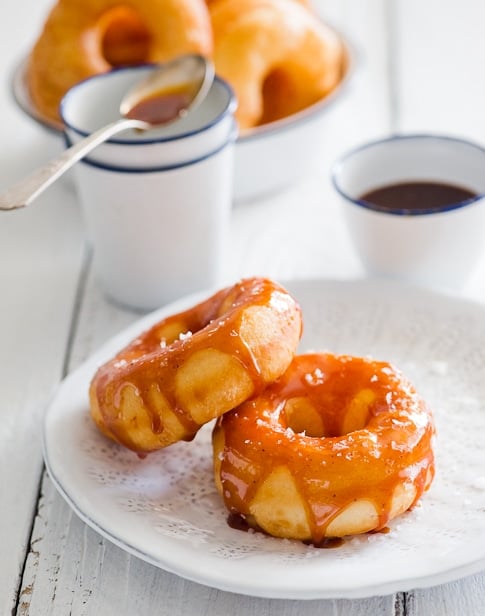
(432, 246)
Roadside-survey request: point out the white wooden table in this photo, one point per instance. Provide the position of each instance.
(420, 69)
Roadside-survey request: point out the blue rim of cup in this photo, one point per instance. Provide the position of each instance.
(229, 109)
(231, 138)
(336, 167)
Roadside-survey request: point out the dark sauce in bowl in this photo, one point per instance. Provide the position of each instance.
(416, 197)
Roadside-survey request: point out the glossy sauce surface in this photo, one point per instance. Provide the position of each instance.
(155, 357)
(417, 195)
(163, 106)
(389, 442)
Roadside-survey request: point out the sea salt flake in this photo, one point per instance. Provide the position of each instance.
(185, 335)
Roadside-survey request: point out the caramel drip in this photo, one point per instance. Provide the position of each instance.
(392, 446)
(239, 522)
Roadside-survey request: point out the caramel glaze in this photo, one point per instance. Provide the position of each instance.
(392, 445)
(156, 355)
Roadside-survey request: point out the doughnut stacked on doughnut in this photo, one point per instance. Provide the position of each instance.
(196, 365)
(337, 446)
(305, 447)
(277, 54)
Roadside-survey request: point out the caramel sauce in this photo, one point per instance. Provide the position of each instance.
(150, 359)
(163, 106)
(238, 522)
(382, 531)
(327, 543)
(334, 471)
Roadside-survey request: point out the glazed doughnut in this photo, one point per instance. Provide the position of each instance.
(276, 54)
(193, 366)
(337, 446)
(82, 38)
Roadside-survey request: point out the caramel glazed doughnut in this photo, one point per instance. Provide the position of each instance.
(337, 446)
(191, 367)
(81, 38)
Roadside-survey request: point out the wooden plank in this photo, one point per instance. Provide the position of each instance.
(463, 597)
(79, 573)
(42, 255)
(42, 252)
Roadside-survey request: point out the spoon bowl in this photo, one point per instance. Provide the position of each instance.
(189, 77)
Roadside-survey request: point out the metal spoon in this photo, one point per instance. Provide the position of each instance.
(193, 71)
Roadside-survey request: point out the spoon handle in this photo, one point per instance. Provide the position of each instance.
(28, 189)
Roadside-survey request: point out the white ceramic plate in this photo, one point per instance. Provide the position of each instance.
(165, 509)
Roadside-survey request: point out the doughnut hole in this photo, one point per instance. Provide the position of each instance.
(283, 95)
(124, 37)
(278, 508)
(272, 341)
(303, 418)
(170, 332)
(210, 383)
(356, 414)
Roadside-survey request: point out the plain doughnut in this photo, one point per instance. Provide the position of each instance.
(277, 55)
(81, 38)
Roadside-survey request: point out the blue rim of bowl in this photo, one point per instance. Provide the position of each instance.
(228, 109)
(231, 138)
(336, 167)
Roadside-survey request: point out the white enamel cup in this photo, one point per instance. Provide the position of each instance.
(437, 247)
(156, 204)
